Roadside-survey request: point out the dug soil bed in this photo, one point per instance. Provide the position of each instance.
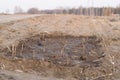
(61, 56)
(62, 50)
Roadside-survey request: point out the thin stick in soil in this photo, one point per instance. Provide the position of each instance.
(13, 50)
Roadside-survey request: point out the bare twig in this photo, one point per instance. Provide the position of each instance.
(101, 76)
(33, 54)
(63, 48)
(9, 49)
(13, 50)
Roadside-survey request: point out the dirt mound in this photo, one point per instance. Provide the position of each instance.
(64, 50)
(63, 46)
(61, 56)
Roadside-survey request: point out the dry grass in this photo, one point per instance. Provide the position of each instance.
(67, 24)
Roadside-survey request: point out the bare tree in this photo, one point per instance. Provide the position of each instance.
(18, 10)
(33, 11)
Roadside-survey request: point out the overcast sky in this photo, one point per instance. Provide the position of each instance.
(51, 4)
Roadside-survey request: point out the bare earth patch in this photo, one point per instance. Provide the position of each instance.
(63, 47)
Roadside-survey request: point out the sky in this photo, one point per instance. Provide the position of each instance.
(9, 5)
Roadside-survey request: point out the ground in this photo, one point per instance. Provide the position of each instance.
(59, 47)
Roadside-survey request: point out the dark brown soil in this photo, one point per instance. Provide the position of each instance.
(80, 58)
(65, 50)
(60, 56)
